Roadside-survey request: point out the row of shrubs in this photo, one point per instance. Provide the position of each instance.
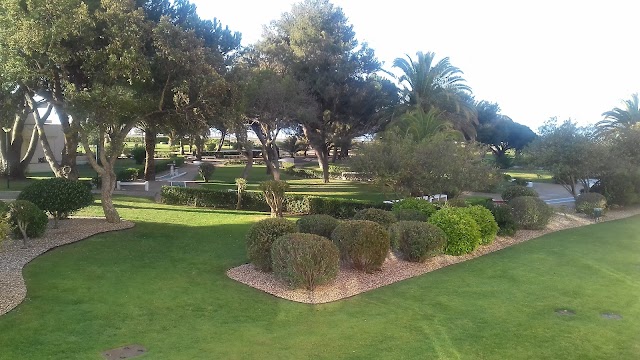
(254, 201)
(135, 172)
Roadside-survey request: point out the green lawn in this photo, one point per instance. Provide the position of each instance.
(163, 285)
(224, 178)
(531, 175)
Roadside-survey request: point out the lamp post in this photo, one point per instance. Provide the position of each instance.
(6, 130)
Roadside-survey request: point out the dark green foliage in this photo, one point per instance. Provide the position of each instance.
(4, 209)
(341, 208)
(409, 215)
(506, 224)
(514, 191)
(260, 237)
(318, 224)
(128, 174)
(457, 202)
(382, 217)
(206, 171)
(28, 216)
(485, 220)
(58, 196)
(421, 205)
(530, 212)
(363, 243)
(463, 234)
(305, 260)
(619, 189)
(485, 202)
(585, 203)
(417, 241)
(253, 201)
(139, 154)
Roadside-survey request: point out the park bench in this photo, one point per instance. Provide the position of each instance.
(131, 183)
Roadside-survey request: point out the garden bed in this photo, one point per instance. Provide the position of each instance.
(350, 282)
(13, 258)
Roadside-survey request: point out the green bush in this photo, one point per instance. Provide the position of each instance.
(619, 189)
(58, 196)
(502, 214)
(382, 217)
(4, 209)
(318, 224)
(421, 205)
(463, 234)
(260, 237)
(128, 174)
(206, 171)
(485, 220)
(304, 260)
(5, 230)
(585, 203)
(274, 194)
(515, 191)
(457, 202)
(363, 243)
(409, 215)
(341, 208)
(139, 154)
(417, 241)
(27, 219)
(530, 212)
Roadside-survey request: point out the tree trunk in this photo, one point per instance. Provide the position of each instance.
(248, 154)
(335, 154)
(108, 185)
(221, 142)
(150, 148)
(323, 161)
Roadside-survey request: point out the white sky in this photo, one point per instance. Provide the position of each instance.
(537, 59)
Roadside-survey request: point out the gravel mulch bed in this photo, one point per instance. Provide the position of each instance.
(12, 258)
(350, 282)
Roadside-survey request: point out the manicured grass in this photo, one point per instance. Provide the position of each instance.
(224, 178)
(163, 285)
(531, 175)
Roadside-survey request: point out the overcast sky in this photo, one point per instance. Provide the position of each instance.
(537, 59)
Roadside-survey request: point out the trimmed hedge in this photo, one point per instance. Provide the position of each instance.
(585, 203)
(421, 205)
(463, 234)
(417, 241)
(485, 220)
(318, 224)
(304, 260)
(341, 208)
(409, 215)
(515, 191)
(30, 215)
(502, 214)
(530, 212)
(363, 243)
(58, 196)
(260, 237)
(382, 217)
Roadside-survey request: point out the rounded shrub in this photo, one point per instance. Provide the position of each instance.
(417, 241)
(58, 196)
(485, 220)
(363, 243)
(318, 224)
(28, 217)
(206, 171)
(421, 205)
(463, 234)
(585, 203)
(304, 260)
(382, 217)
(409, 215)
(502, 214)
(139, 153)
(260, 237)
(515, 191)
(530, 212)
(4, 209)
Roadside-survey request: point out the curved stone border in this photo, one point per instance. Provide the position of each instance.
(350, 282)
(12, 258)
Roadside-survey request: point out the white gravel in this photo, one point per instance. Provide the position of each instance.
(350, 282)
(12, 258)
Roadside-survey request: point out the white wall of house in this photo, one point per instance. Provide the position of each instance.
(56, 140)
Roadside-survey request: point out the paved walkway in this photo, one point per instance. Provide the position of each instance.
(188, 172)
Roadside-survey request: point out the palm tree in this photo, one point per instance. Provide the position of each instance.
(438, 85)
(420, 125)
(620, 119)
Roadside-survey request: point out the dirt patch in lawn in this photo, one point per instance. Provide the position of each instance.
(350, 282)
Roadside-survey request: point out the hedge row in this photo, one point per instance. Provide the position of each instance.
(134, 172)
(254, 201)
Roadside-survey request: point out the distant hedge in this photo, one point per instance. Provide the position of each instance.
(254, 201)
